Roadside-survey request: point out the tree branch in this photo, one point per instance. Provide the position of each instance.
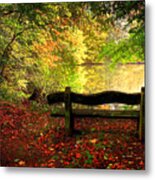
(7, 50)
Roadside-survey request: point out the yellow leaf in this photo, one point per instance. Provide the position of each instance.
(51, 149)
(41, 134)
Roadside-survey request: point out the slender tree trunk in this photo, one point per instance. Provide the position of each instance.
(5, 55)
(7, 51)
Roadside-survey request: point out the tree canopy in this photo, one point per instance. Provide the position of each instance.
(42, 44)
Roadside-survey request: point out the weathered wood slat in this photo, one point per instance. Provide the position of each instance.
(97, 99)
(56, 97)
(106, 97)
(113, 114)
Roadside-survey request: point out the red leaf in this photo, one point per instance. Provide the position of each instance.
(141, 163)
(78, 155)
(66, 163)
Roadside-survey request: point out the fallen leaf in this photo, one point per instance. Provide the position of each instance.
(78, 155)
(66, 163)
(21, 163)
(51, 165)
(16, 160)
(130, 162)
(51, 149)
(141, 163)
(93, 141)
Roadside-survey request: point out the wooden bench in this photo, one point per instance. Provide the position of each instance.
(105, 97)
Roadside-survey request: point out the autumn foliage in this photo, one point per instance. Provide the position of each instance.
(34, 139)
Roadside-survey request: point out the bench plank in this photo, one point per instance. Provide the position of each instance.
(133, 114)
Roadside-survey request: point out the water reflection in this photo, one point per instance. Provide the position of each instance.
(127, 78)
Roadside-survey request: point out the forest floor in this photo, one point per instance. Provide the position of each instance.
(35, 139)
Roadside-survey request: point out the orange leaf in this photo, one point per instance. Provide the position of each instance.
(21, 163)
(93, 141)
(51, 165)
